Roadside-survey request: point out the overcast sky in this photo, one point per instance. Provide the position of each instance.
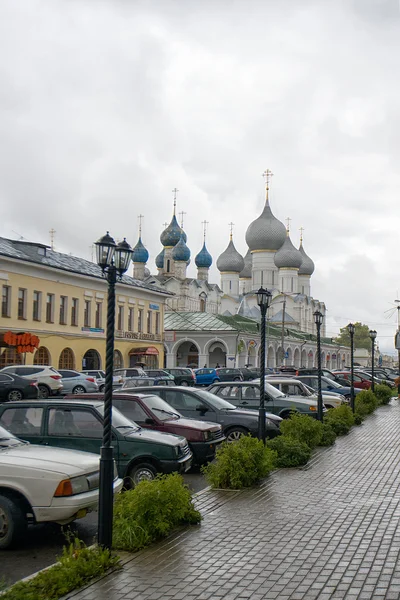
(106, 106)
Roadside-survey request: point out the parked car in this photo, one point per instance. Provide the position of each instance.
(294, 387)
(48, 379)
(328, 385)
(134, 382)
(206, 376)
(359, 381)
(227, 374)
(152, 412)
(40, 484)
(14, 387)
(100, 377)
(77, 383)
(182, 376)
(380, 376)
(123, 374)
(159, 373)
(200, 404)
(78, 425)
(247, 374)
(247, 395)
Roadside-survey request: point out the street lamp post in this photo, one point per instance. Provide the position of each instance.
(263, 301)
(372, 335)
(318, 318)
(351, 329)
(114, 261)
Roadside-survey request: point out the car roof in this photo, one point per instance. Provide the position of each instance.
(94, 401)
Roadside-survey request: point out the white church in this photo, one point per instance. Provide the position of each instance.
(198, 315)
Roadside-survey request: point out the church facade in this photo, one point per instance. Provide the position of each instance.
(273, 262)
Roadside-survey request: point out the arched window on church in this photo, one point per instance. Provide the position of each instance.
(203, 301)
(168, 266)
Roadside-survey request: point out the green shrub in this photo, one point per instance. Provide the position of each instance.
(240, 464)
(369, 400)
(328, 435)
(303, 428)
(340, 419)
(76, 567)
(151, 511)
(383, 394)
(291, 452)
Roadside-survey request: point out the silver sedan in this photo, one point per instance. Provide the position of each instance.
(77, 383)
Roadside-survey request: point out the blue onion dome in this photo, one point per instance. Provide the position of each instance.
(204, 258)
(172, 234)
(140, 254)
(266, 232)
(230, 260)
(181, 252)
(160, 259)
(288, 257)
(307, 266)
(248, 264)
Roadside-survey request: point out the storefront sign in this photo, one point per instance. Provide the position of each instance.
(144, 351)
(93, 329)
(132, 335)
(169, 336)
(154, 307)
(24, 342)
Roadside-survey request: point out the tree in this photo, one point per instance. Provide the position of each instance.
(361, 336)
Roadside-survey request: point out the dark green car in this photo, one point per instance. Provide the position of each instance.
(78, 424)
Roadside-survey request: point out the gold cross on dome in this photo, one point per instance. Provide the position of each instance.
(288, 224)
(204, 223)
(267, 176)
(165, 225)
(181, 215)
(301, 234)
(140, 217)
(231, 225)
(175, 191)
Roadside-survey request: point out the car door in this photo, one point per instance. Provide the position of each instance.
(250, 398)
(187, 405)
(133, 410)
(25, 422)
(6, 384)
(77, 428)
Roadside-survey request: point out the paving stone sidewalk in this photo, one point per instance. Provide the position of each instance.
(330, 530)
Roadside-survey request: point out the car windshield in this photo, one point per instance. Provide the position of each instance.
(331, 382)
(165, 412)
(215, 401)
(119, 421)
(270, 389)
(7, 439)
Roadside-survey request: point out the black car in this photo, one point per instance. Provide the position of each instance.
(199, 404)
(14, 387)
(247, 374)
(182, 376)
(158, 373)
(226, 374)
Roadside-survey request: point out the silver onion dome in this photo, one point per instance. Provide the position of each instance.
(266, 232)
(245, 273)
(230, 260)
(307, 266)
(288, 256)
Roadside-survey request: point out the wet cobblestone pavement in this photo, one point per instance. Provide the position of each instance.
(330, 530)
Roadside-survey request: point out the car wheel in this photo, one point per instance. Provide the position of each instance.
(14, 395)
(13, 523)
(235, 433)
(287, 414)
(236, 379)
(215, 380)
(79, 389)
(142, 472)
(44, 391)
(185, 383)
(102, 388)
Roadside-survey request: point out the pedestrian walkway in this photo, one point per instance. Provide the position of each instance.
(329, 530)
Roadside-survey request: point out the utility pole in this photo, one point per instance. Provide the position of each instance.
(283, 331)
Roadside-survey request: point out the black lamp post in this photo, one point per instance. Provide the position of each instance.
(318, 318)
(114, 261)
(263, 301)
(351, 329)
(372, 335)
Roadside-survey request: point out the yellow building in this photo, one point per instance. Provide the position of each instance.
(60, 302)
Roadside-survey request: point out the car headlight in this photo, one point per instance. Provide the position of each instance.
(71, 487)
(207, 435)
(313, 408)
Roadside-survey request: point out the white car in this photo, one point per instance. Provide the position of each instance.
(40, 484)
(48, 379)
(295, 387)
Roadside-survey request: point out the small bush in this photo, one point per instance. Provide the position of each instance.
(383, 394)
(328, 435)
(151, 511)
(303, 428)
(369, 400)
(291, 452)
(340, 419)
(76, 567)
(240, 464)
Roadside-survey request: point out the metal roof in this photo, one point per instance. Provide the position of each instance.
(44, 255)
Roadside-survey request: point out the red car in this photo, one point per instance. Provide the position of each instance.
(152, 412)
(359, 381)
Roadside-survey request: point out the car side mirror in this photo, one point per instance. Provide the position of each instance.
(201, 408)
(149, 421)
